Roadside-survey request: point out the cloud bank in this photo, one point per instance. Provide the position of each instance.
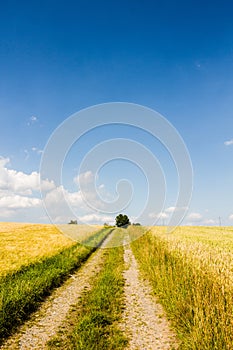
(228, 143)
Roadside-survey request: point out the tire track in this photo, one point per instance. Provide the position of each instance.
(144, 321)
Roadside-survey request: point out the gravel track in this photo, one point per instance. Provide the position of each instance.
(144, 321)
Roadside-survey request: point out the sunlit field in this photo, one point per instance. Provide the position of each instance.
(22, 244)
(78, 233)
(34, 260)
(208, 247)
(191, 270)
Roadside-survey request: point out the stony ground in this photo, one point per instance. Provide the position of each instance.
(144, 321)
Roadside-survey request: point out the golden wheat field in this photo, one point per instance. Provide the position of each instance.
(210, 248)
(191, 270)
(24, 243)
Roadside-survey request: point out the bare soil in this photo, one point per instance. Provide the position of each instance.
(144, 320)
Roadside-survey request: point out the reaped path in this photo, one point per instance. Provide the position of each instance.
(144, 321)
(45, 323)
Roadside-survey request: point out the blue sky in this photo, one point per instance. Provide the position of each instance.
(59, 57)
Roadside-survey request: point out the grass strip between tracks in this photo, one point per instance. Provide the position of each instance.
(95, 322)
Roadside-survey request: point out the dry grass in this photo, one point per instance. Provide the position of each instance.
(79, 233)
(22, 243)
(209, 248)
(191, 271)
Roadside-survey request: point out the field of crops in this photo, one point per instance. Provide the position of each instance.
(191, 271)
(207, 247)
(22, 244)
(34, 260)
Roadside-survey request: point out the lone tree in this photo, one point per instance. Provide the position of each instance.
(73, 222)
(122, 220)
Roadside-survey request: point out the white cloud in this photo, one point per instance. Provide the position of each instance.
(228, 143)
(19, 182)
(175, 209)
(19, 191)
(95, 196)
(18, 202)
(4, 161)
(97, 218)
(57, 195)
(84, 178)
(75, 198)
(80, 202)
(194, 216)
(160, 215)
(171, 209)
(62, 204)
(231, 217)
(60, 213)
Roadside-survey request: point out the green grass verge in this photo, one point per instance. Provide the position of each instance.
(198, 305)
(22, 291)
(101, 308)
